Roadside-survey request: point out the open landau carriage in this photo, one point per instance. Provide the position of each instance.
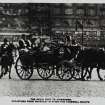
(56, 61)
(66, 62)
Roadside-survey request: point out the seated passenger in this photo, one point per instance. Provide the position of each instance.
(68, 39)
(38, 42)
(45, 47)
(35, 44)
(74, 43)
(22, 44)
(28, 42)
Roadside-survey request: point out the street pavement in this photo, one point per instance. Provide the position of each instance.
(51, 88)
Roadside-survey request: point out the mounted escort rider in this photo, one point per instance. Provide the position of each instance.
(6, 58)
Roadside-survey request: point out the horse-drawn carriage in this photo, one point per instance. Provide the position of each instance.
(66, 62)
(46, 63)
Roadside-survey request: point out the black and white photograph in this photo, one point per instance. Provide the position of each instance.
(52, 50)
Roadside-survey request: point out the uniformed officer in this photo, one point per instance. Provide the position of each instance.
(22, 43)
(5, 58)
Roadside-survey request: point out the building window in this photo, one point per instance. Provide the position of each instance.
(103, 24)
(80, 11)
(92, 34)
(92, 12)
(102, 11)
(71, 22)
(92, 23)
(69, 11)
(19, 11)
(56, 11)
(102, 36)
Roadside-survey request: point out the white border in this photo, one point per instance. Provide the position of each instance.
(95, 100)
(52, 1)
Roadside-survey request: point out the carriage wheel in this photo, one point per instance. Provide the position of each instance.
(45, 71)
(78, 71)
(24, 72)
(65, 72)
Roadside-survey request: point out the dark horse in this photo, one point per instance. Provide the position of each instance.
(91, 58)
(7, 61)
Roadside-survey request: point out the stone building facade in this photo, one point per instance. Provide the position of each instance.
(81, 21)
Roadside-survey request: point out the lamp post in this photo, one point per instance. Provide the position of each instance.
(82, 35)
(80, 25)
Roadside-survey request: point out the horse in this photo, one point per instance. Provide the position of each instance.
(91, 58)
(7, 61)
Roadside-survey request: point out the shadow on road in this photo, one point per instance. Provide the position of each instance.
(57, 80)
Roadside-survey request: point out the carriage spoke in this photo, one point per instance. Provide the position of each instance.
(18, 67)
(28, 71)
(42, 72)
(62, 75)
(20, 71)
(48, 72)
(45, 75)
(25, 74)
(77, 75)
(67, 75)
(45, 71)
(65, 72)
